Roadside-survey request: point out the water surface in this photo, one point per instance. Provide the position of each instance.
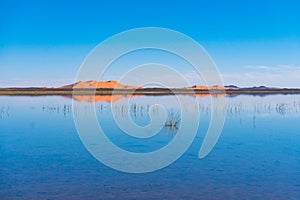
(257, 155)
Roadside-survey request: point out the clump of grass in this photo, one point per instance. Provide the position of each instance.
(173, 121)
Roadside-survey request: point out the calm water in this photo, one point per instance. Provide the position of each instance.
(256, 157)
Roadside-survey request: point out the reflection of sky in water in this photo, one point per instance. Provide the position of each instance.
(257, 155)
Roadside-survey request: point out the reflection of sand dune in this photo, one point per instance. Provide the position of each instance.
(202, 95)
(101, 98)
(115, 98)
(213, 95)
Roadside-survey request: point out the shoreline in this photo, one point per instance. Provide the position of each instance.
(143, 91)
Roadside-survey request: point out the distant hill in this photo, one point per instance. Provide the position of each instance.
(96, 84)
(214, 87)
(114, 84)
(107, 88)
(262, 87)
(231, 86)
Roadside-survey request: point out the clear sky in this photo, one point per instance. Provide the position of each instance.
(43, 43)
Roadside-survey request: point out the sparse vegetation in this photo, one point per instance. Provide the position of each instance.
(173, 121)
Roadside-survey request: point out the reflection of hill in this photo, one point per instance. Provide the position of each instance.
(213, 95)
(202, 95)
(116, 98)
(95, 99)
(101, 98)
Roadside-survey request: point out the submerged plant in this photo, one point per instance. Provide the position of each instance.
(173, 121)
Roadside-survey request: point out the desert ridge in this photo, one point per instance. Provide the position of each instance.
(113, 87)
(112, 84)
(98, 85)
(214, 87)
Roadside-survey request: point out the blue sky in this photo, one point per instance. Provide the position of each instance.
(43, 43)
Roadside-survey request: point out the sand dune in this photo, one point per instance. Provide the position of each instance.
(96, 84)
(116, 85)
(214, 87)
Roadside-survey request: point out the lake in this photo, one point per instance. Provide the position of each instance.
(257, 155)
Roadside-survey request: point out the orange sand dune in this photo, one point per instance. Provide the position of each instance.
(199, 87)
(97, 84)
(215, 87)
(116, 85)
